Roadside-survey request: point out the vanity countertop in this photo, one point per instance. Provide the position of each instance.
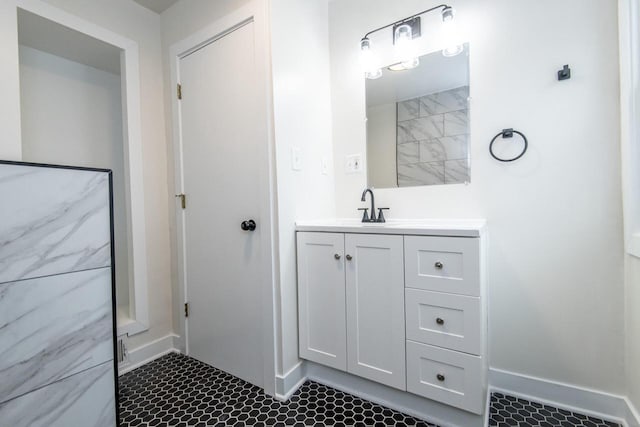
(423, 227)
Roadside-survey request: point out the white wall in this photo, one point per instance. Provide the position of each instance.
(71, 114)
(132, 21)
(143, 26)
(381, 146)
(10, 145)
(555, 220)
(302, 119)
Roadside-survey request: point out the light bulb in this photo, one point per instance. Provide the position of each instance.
(453, 50)
(447, 14)
(369, 61)
(403, 38)
(404, 34)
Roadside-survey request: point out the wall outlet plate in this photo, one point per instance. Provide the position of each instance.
(122, 350)
(296, 158)
(353, 164)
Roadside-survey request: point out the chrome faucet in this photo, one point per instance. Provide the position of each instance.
(365, 216)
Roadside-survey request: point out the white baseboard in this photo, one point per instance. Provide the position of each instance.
(633, 415)
(146, 353)
(288, 383)
(599, 404)
(438, 413)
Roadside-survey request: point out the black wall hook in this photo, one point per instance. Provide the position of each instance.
(565, 73)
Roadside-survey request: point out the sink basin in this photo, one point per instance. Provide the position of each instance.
(431, 227)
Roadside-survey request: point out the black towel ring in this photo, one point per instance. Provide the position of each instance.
(508, 133)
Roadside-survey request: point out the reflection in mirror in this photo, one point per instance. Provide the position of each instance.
(418, 124)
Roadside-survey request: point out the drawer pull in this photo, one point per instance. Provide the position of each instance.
(349, 257)
(440, 321)
(440, 377)
(337, 256)
(439, 265)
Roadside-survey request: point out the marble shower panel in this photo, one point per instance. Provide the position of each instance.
(57, 365)
(85, 399)
(53, 327)
(53, 221)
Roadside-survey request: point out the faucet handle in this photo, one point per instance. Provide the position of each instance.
(380, 214)
(365, 214)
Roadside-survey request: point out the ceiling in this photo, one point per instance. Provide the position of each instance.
(40, 33)
(158, 6)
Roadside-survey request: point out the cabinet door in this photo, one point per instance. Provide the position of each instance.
(375, 308)
(321, 299)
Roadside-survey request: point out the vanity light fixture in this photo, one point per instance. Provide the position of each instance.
(404, 31)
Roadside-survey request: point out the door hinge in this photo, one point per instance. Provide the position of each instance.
(179, 91)
(183, 200)
(186, 309)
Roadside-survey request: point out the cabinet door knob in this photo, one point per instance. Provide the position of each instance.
(439, 265)
(440, 377)
(440, 321)
(349, 257)
(337, 256)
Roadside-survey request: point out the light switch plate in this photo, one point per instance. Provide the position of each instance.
(324, 166)
(296, 158)
(353, 164)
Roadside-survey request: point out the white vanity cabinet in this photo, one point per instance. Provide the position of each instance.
(400, 305)
(351, 304)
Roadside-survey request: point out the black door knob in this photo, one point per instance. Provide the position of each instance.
(248, 225)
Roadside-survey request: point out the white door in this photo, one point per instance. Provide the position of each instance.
(222, 141)
(375, 308)
(321, 299)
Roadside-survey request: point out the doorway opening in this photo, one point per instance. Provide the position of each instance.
(79, 102)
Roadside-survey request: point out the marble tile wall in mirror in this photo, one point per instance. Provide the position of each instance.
(418, 124)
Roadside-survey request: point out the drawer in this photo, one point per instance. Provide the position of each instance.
(446, 376)
(443, 264)
(445, 320)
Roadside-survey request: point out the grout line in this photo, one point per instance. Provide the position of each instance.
(54, 275)
(56, 381)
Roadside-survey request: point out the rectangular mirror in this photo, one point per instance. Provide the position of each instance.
(418, 123)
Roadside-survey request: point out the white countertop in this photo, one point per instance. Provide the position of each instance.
(422, 227)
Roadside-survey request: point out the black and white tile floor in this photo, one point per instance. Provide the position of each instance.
(176, 390)
(509, 411)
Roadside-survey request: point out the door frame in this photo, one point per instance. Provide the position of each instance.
(138, 316)
(255, 12)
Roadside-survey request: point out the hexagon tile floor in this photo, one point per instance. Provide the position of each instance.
(509, 411)
(176, 390)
